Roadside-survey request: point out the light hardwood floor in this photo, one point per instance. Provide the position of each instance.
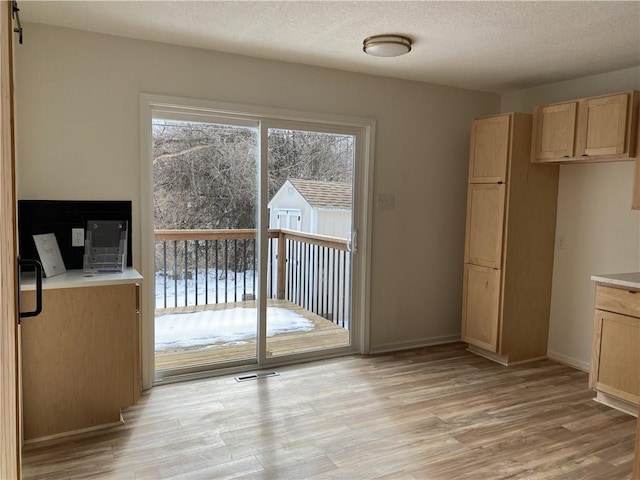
(434, 413)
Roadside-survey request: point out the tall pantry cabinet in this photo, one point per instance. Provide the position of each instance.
(509, 242)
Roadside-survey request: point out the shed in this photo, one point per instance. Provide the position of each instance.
(313, 206)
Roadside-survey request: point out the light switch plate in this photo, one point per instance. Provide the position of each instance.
(77, 237)
(386, 201)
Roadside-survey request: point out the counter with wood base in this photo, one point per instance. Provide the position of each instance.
(636, 458)
(615, 358)
(81, 355)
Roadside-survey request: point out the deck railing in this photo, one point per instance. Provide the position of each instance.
(204, 267)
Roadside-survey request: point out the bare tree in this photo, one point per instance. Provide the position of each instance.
(205, 175)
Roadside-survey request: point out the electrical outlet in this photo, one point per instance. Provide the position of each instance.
(77, 237)
(561, 241)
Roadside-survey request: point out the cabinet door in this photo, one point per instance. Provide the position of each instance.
(137, 355)
(636, 457)
(481, 307)
(489, 149)
(616, 356)
(635, 199)
(77, 359)
(603, 125)
(485, 224)
(555, 130)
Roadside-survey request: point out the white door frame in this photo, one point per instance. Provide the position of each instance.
(362, 128)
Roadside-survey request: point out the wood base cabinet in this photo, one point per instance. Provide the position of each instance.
(509, 244)
(80, 359)
(636, 457)
(615, 360)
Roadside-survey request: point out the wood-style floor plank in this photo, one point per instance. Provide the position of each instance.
(435, 413)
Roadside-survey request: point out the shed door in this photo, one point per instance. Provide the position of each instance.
(289, 219)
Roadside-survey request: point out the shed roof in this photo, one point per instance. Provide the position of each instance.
(324, 194)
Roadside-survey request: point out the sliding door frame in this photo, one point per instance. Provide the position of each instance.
(152, 106)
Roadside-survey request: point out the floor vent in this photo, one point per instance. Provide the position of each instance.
(255, 376)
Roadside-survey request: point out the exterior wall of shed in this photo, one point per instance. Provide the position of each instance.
(334, 223)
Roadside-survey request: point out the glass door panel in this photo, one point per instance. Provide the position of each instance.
(310, 182)
(206, 265)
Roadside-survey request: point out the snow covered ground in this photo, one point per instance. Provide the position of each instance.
(231, 325)
(211, 327)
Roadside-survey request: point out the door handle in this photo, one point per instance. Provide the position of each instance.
(38, 268)
(352, 243)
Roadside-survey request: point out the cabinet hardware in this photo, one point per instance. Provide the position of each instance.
(38, 269)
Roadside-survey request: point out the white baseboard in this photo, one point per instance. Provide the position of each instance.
(422, 342)
(570, 361)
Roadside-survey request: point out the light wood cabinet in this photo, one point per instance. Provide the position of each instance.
(489, 150)
(615, 360)
(636, 457)
(593, 129)
(485, 224)
(481, 306)
(635, 202)
(80, 359)
(556, 127)
(510, 230)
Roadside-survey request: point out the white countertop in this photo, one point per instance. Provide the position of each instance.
(78, 278)
(629, 280)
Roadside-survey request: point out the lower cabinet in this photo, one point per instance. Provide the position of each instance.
(615, 361)
(80, 359)
(480, 308)
(636, 457)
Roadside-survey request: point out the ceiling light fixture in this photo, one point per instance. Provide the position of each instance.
(386, 45)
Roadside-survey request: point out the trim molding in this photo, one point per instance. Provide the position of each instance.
(78, 434)
(569, 361)
(423, 342)
(618, 404)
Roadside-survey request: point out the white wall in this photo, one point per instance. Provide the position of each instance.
(77, 138)
(601, 232)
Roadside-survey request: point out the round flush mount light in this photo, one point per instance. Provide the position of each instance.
(386, 45)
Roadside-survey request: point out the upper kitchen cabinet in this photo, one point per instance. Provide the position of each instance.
(556, 125)
(593, 129)
(489, 150)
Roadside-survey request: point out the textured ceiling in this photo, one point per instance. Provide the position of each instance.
(489, 46)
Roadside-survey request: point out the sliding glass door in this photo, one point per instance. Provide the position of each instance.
(310, 176)
(252, 237)
(205, 201)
